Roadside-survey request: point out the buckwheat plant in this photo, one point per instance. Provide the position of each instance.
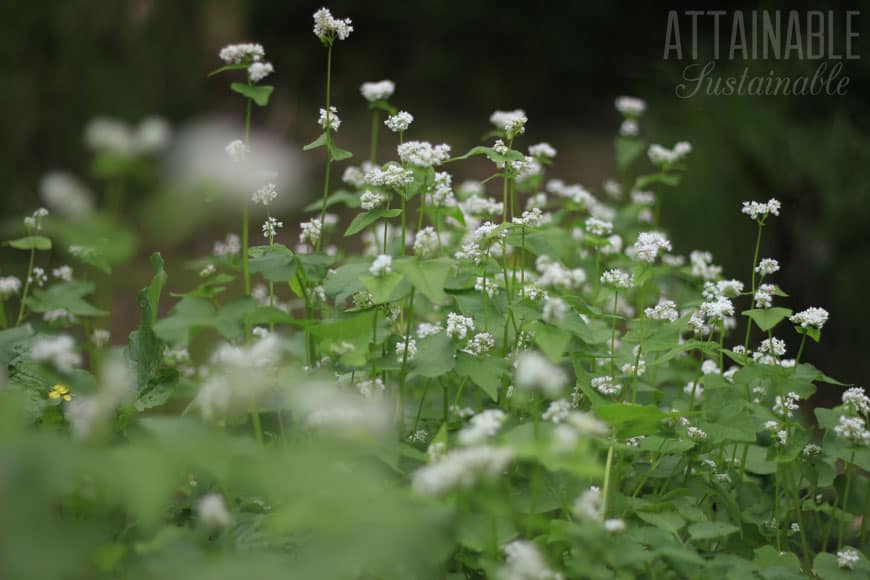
(497, 374)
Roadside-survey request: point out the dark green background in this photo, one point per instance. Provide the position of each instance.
(455, 62)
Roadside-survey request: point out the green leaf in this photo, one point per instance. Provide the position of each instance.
(767, 318)
(30, 243)
(184, 318)
(144, 348)
(552, 340)
(810, 331)
(275, 263)
(435, 356)
(710, 530)
(319, 142)
(314, 266)
(65, 296)
(381, 287)
(826, 567)
(337, 153)
(341, 196)
(228, 67)
(345, 280)
(364, 220)
(257, 93)
(427, 276)
(485, 372)
(668, 521)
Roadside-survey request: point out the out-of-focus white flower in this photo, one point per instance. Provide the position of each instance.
(59, 351)
(649, 245)
(9, 285)
(630, 106)
(260, 70)
(65, 194)
(535, 373)
(382, 265)
(370, 200)
(664, 310)
(523, 561)
(213, 512)
(852, 429)
(406, 349)
(542, 151)
(848, 558)
(377, 91)
(461, 469)
(482, 426)
(617, 278)
(241, 53)
(663, 156)
(265, 195)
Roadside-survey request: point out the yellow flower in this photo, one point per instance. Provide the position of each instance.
(60, 392)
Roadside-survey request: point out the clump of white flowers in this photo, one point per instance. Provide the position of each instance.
(482, 426)
(606, 386)
(310, 232)
(812, 317)
(461, 469)
(9, 285)
(856, 400)
(649, 246)
(513, 123)
(663, 156)
(406, 349)
(399, 122)
(59, 351)
(598, 227)
(759, 210)
(554, 309)
(852, 429)
(423, 153)
(767, 266)
(630, 106)
(369, 200)
(523, 561)
(616, 278)
(265, 195)
(327, 28)
(534, 372)
(542, 151)
(426, 242)
(237, 150)
(480, 344)
(329, 120)
(213, 512)
(242, 53)
(459, 326)
(664, 310)
(260, 70)
(270, 227)
(377, 91)
(848, 558)
(382, 265)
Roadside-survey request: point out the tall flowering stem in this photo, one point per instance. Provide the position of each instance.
(327, 130)
(23, 306)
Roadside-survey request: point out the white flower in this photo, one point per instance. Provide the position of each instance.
(152, 135)
(629, 128)
(459, 326)
(767, 266)
(240, 53)
(382, 265)
(59, 315)
(554, 310)
(461, 469)
(856, 401)
(399, 122)
(664, 310)
(38, 277)
(410, 346)
(57, 350)
(310, 232)
(589, 504)
(702, 265)
(649, 245)
(535, 372)
(630, 106)
(763, 297)
(557, 412)
(718, 309)
(104, 134)
(617, 278)
(100, 337)
(423, 153)
(606, 386)
(213, 513)
(480, 344)
(66, 194)
(229, 247)
(391, 175)
(614, 525)
(784, 406)
(426, 242)
(709, 367)
(330, 120)
(542, 151)
(377, 91)
(659, 155)
(371, 388)
(853, 430)
(758, 210)
(265, 195)
(64, 273)
(482, 426)
(270, 227)
(487, 285)
(369, 200)
(260, 70)
(523, 561)
(848, 558)
(513, 123)
(811, 317)
(811, 450)
(598, 227)
(696, 434)
(425, 329)
(237, 150)
(327, 28)
(530, 218)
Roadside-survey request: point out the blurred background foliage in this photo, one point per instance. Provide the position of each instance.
(66, 62)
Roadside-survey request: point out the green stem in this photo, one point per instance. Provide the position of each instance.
(22, 307)
(373, 148)
(797, 359)
(327, 131)
(607, 469)
(842, 527)
(752, 296)
(613, 337)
